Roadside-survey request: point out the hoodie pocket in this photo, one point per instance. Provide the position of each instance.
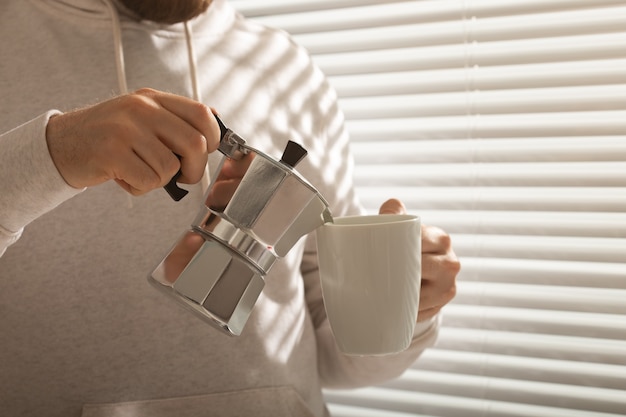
(259, 402)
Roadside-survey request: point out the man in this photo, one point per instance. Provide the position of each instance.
(101, 106)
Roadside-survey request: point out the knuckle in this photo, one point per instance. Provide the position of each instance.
(453, 265)
(444, 240)
(171, 167)
(194, 177)
(142, 181)
(139, 103)
(457, 267)
(150, 182)
(197, 143)
(145, 91)
(451, 293)
(136, 192)
(200, 110)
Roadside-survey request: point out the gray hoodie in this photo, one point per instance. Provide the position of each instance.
(82, 331)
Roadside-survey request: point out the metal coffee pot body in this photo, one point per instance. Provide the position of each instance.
(254, 211)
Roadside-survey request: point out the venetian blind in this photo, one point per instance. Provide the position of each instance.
(504, 122)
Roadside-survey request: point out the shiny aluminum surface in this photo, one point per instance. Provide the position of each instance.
(255, 210)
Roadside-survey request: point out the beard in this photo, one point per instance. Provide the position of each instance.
(166, 11)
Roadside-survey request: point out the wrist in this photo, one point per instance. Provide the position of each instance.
(57, 139)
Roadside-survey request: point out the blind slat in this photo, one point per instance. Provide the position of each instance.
(542, 247)
(549, 74)
(611, 123)
(596, 325)
(454, 406)
(574, 99)
(544, 271)
(535, 345)
(528, 369)
(541, 297)
(591, 199)
(581, 174)
(528, 223)
(514, 391)
(524, 149)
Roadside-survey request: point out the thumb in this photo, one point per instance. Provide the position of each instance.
(392, 206)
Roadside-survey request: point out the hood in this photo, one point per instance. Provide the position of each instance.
(216, 21)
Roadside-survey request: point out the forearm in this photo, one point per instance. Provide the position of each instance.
(30, 184)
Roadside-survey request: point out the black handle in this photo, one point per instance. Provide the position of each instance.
(223, 128)
(173, 189)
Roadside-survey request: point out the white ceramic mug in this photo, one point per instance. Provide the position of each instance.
(370, 270)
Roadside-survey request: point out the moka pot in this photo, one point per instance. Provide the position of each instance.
(255, 210)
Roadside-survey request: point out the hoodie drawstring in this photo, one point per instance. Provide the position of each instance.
(191, 56)
(119, 49)
(193, 73)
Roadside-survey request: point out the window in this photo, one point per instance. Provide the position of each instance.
(504, 122)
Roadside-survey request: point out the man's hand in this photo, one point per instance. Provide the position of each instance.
(134, 139)
(440, 265)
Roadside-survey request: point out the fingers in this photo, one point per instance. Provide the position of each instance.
(435, 240)
(157, 157)
(392, 206)
(187, 128)
(195, 114)
(440, 267)
(435, 293)
(135, 172)
(428, 313)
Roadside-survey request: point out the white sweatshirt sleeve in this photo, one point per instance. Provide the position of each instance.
(30, 184)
